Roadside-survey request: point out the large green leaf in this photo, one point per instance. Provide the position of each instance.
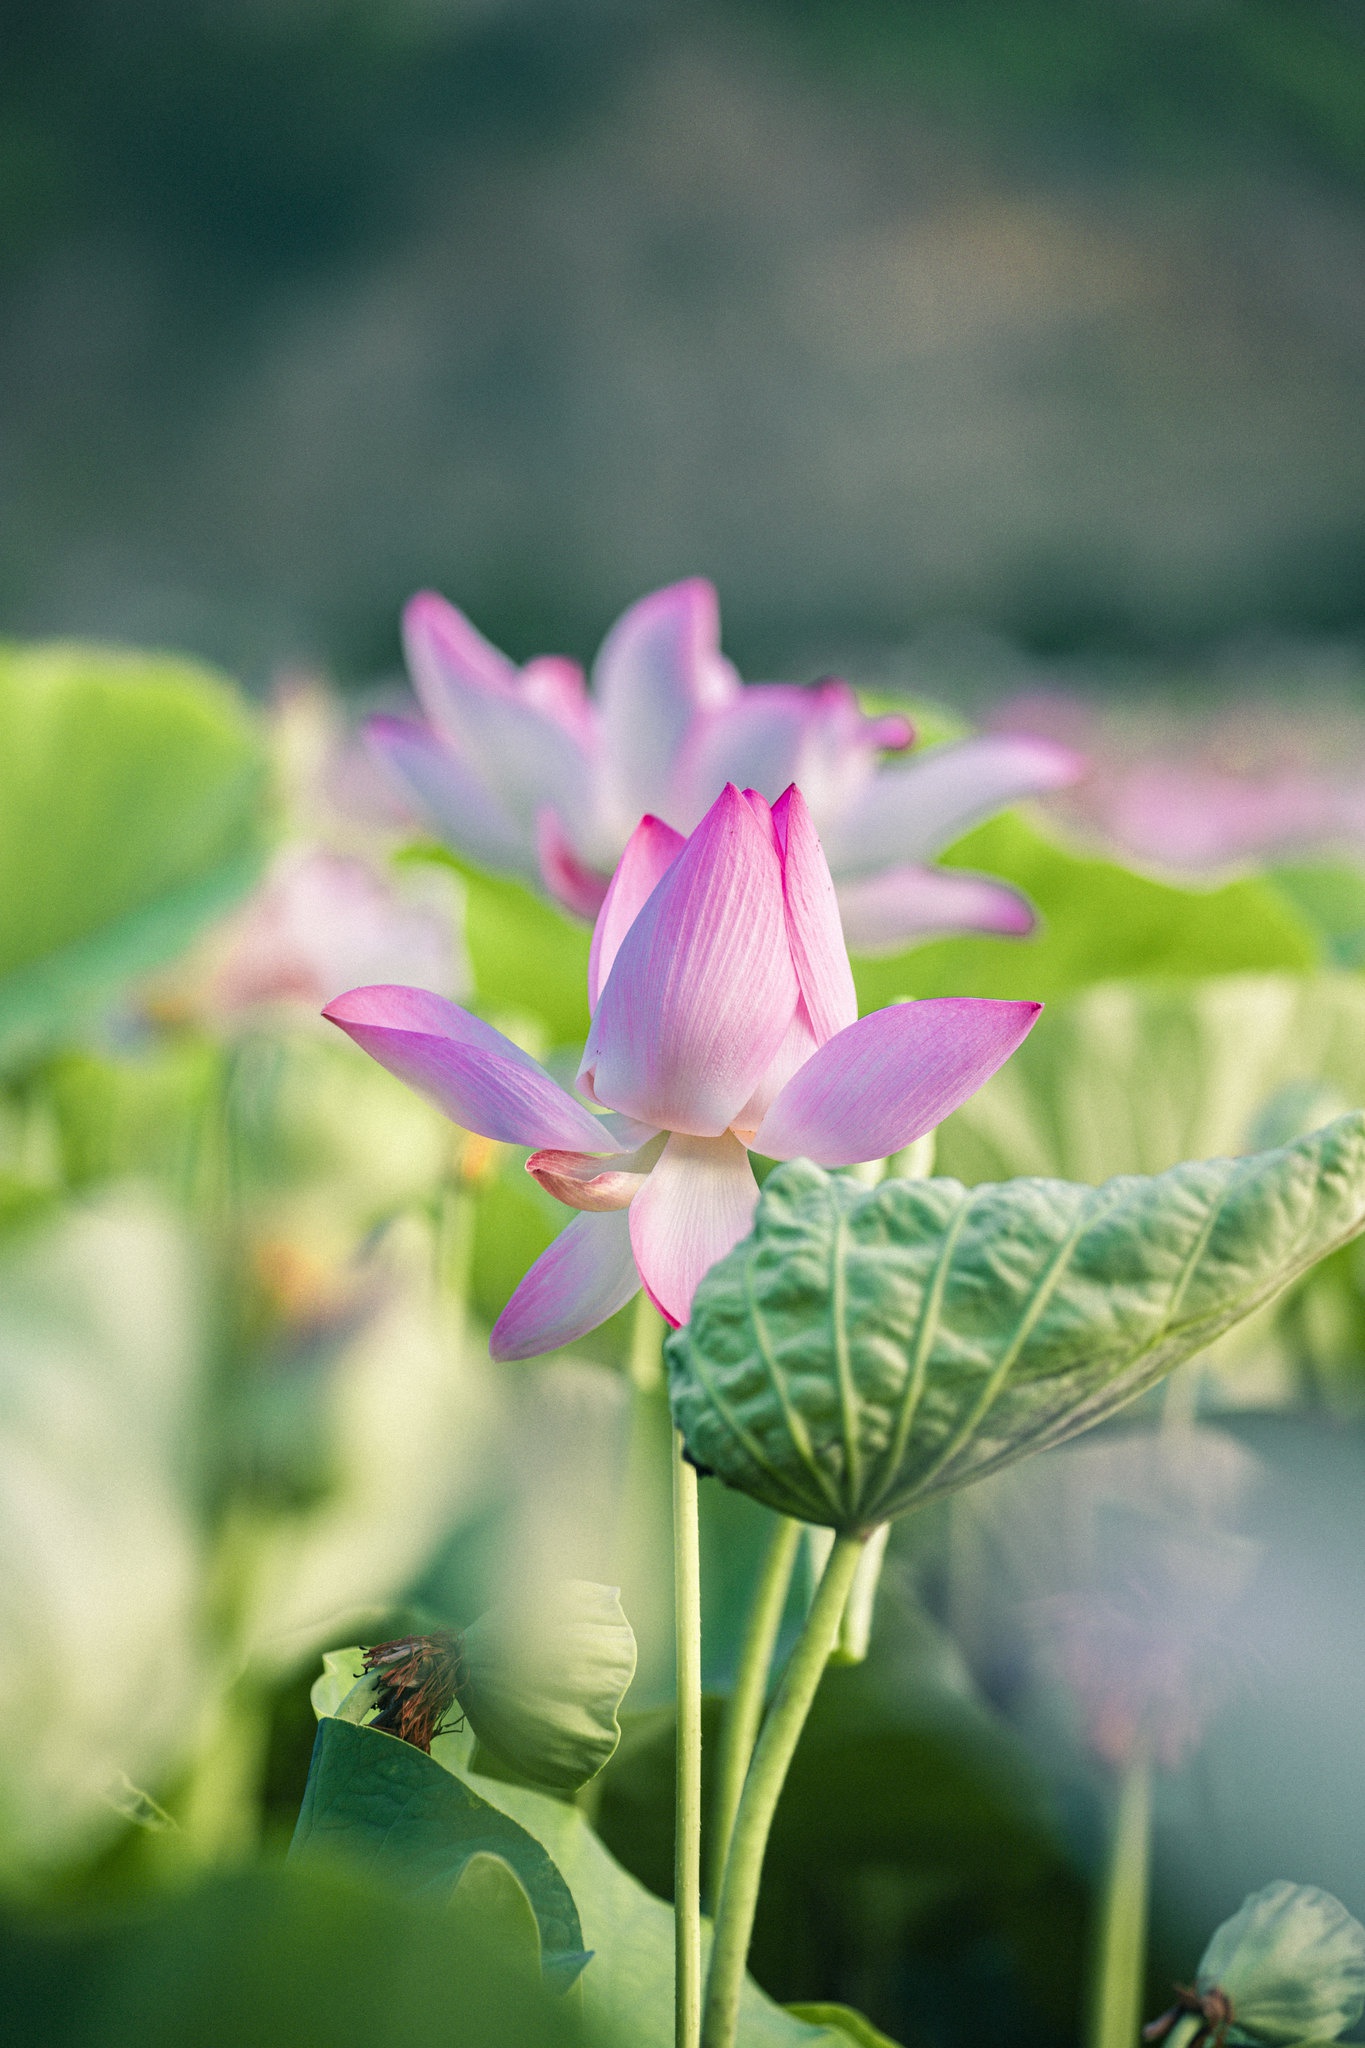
(131, 792)
(1097, 922)
(1130, 1077)
(864, 1350)
(394, 1813)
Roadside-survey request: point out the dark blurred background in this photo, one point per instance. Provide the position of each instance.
(894, 316)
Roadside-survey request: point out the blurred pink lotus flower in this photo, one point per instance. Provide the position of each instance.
(724, 1017)
(527, 771)
(1197, 797)
(322, 921)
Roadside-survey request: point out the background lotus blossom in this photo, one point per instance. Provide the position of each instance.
(528, 771)
(1269, 779)
(724, 1017)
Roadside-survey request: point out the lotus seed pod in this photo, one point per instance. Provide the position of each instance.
(1291, 1963)
(542, 1680)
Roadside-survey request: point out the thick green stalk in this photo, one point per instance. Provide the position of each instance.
(687, 1793)
(762, 1789)
(745, 1709)
(1120, 1953)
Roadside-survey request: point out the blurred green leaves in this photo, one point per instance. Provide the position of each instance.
(100, 1345)
(867, 1349)
(1097, 922)
(296, 1958)
(131, 794)
(1132, 1078)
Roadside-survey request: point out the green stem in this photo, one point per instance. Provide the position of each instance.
(1120, 1952)
(745, 1709)
(687, 1800)
(645, 1366)
(762, 1789)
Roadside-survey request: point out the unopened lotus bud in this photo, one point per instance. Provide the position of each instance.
(542, 1680)
(1288, 1966)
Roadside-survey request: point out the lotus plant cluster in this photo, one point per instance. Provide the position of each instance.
(262, 1424)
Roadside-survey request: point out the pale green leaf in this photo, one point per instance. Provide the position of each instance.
(131, 792)
(543, 1679)
(1132, 1078)
(846, 2023)
(864, 1350)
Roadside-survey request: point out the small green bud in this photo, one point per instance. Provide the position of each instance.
(1290, 1963)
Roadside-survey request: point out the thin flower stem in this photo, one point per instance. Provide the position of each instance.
(645, 1366)
(762, 1789)
(687, 1796)
(1120, 1952)
(745, 1709)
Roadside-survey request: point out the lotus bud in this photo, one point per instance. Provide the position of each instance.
(1289, 1966)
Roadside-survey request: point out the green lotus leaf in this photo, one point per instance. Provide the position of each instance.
(346, 1691)
(131, 811)
(394, 1813)
(1292, 1962)
(544, 1678)
(864, 1350)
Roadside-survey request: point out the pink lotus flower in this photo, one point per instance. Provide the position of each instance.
(526, 771)
(724, 1017)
